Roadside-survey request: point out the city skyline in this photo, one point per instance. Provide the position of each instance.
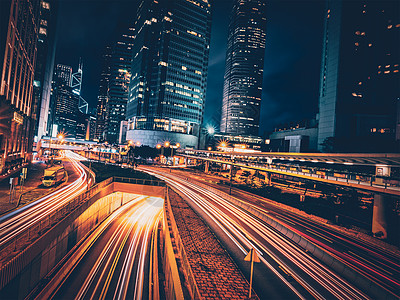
(143, 195)
(286, 25)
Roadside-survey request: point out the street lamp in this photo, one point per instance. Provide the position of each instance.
(177, 145)
(210, 130)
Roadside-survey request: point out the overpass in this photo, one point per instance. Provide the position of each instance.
(368, 172)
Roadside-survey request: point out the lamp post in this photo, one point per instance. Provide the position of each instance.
(177, 145)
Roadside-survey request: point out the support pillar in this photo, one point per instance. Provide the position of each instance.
(206, 166)
(268, 178)
(379, 218)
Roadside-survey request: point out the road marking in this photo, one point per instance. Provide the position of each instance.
(322, 237)
(370, 263)
(284, 219)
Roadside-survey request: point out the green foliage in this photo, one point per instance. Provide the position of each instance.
(104, 171)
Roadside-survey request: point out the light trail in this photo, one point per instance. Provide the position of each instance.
(113, 266)
(248, 230)
(14, 223)
(375, 263)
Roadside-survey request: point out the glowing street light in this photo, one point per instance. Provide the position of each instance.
(210, 130)
(166, 144)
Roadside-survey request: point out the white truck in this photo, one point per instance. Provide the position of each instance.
(53, 175)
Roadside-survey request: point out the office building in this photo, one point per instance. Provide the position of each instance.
(244, 65)
(102, 98)
(169, 72)
(359, 85)
(118, 87)
(18, 45)
(65, 101)
(46, 47)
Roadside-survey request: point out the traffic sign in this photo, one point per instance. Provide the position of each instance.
(252, 256)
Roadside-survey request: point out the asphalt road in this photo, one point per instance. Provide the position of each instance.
(115, 259)
(300, 271)
(380, 265)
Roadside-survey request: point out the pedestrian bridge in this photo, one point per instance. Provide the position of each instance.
(371, 172)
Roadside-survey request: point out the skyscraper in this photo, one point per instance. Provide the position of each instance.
(169, 71)
(121, 59)
(44, 64)
(244, 68)
(102, 98)
(65, 101)
(360, 83)
(18, 45)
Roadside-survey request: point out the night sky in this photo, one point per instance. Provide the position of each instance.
(292, 58)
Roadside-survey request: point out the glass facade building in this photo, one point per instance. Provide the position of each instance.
(44, 64)
(65, 102)
(244, 68)
(169, 72)
(18, 47)
(118, 86)
(359, 85)
(102, 98)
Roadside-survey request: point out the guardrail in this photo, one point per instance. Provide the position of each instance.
(349, 178)
(140, 181)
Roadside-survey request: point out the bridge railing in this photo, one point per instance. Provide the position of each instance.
(139, 181)
(332, 175)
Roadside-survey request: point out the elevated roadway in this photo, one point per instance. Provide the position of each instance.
(269, 162)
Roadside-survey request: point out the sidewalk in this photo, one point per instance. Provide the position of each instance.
(216, 275)
(32, 188)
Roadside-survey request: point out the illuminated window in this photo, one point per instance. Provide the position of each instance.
(42, 31)
(184, 68)
(45, 5)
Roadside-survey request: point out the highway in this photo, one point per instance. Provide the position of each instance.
(19, 220)
(113, 262)
(376, 263)
(304, 275)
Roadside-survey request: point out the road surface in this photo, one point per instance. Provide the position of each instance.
(113, 262)
(300, 272)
